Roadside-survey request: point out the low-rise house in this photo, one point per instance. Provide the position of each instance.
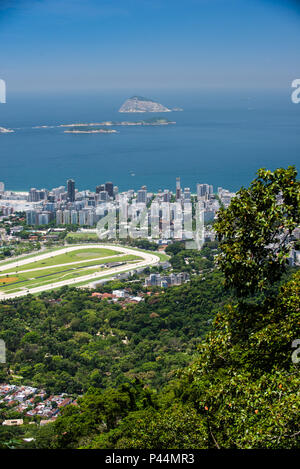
(13, 422)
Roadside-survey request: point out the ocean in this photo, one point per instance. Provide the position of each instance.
(221, 138)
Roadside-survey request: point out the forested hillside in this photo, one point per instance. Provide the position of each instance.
(181, 382)
(68, 341)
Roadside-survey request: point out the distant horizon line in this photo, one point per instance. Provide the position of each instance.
(145, 90)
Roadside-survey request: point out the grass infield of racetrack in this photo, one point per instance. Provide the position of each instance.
(80, 255)
(90, 260)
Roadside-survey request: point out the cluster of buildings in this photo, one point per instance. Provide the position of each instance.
(143, 214)
(164, 281)
(11, 202)
(225, 196)
(122, 296)
(32, 402)
(12, 394)
(65, 205)
(51, 407)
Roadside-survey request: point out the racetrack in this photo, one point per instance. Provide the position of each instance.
(147, 260)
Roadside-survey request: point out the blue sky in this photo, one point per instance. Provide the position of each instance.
(96, 44)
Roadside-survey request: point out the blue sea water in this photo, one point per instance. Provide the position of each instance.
(220, 138)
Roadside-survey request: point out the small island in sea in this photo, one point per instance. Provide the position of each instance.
(3, 130)
(75, 130)
(141, 104)
(153, 121)
(44, 127)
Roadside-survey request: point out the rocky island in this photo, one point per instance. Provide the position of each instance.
(141, 104)
(5, 131)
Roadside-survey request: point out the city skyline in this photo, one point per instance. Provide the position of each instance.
(141, 214)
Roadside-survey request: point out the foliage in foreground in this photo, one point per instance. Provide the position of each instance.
(241, 392)
(256, 230)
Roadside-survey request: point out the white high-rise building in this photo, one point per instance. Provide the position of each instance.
(67, 217)
(82, 217)
(59, 217)
(74, 217)
(91, 218)
(187, 194)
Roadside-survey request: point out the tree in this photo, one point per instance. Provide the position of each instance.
(255, 231)
(175, 248)
(178, 427)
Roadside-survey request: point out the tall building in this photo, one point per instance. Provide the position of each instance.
(91, 218)
(204, 190)
(71, 190)
(74, 217)
(100, 188)
(142, 196)
(43, 194)
(103, 196)
(31, 217)
(59, 217)
(67, 217)
(187, 194)
(43, 218)
(166, 195)
(178, 189)
(109, 187)
(82, 217)
(33, 195)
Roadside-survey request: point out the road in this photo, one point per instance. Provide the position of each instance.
(147, 260)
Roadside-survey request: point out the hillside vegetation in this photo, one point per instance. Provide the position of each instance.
(240, 389)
